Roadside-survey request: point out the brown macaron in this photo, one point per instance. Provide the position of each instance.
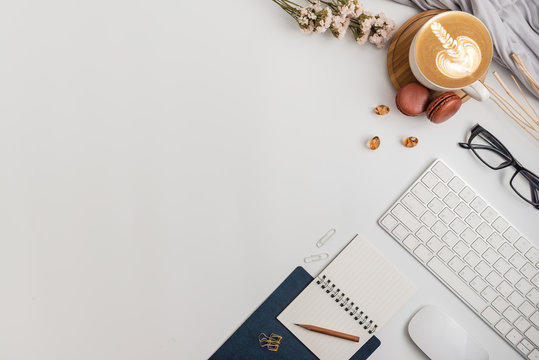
(443, 107)
(412, 99)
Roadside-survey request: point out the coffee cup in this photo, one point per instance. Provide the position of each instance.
(452, 51)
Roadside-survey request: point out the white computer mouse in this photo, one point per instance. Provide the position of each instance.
(442, 338)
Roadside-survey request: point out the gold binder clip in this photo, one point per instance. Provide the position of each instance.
(271, 342)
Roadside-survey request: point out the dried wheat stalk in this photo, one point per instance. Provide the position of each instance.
(525, 117)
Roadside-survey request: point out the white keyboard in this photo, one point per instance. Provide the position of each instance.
(473, 250)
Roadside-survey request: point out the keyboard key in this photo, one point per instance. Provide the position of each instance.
(461, 248)
(473, 220)
(500, 224)
(528, 345)
(514, 336)
(423, 253)
(457, 225)
(467, 194)
(439, 229)
(489, 214)
(528, 270)
(535, 280)
(512, 276)
(480, 246)
(440, 189)
(406, 218)
(456, 184)
(523, 286)
(455, 283)
(478, 284)
(422, 193)
(389, 222)
(504, 288)
(451, 200)
(468, 274)
(534, 355)
(502, 266)
(413, 205)
(478, 204)
(446, 215)
(462, 210)
(456, 264)
(516, 299)
(511, 314)
(522, 324)
(533, 255)
(535, 318)
(411, 242)
(494, 278)
(491, 315)
(446, 254)
(500, 304)
(429, 180)
(484, 230)
(423, 234)
(503, 326)
(517, 260)
(533, 335)
(442, 171)
(533, 296)
(428, 218)
(468, 235)
(522, 348)
(450, 238)
(483, 269)
(489, 294)
(436, 205)
(495, 240)
(506, 250)
(526, 308)
(511, 234)
(490, 256)
(472, 258)
(400, 232)
(522, 245)
(435, 244)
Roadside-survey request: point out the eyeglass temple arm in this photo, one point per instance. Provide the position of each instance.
(484, 147)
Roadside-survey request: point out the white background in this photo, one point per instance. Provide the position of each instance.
(165, 165)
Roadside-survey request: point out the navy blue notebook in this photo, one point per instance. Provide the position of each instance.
(243, 344)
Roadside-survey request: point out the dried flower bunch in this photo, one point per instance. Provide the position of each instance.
(338, 16)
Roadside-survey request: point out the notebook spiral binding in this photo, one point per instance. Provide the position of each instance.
(340, 297)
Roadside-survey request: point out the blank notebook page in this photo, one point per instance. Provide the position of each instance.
(358, 289)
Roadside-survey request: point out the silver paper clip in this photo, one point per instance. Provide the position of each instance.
(326, 237)
(316, 257)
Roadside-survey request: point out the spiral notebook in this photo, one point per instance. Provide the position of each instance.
(357, 293)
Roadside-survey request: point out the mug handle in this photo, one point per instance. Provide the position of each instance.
(477, 90)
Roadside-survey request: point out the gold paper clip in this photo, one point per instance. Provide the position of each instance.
(271, 342)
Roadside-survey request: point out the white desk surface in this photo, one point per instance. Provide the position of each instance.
(167, 164)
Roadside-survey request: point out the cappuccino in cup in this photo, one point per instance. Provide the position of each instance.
(451, 51)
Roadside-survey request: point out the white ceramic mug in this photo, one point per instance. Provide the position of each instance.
(476, 89)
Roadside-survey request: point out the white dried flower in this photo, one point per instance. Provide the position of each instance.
(339, 25)
(323, 20)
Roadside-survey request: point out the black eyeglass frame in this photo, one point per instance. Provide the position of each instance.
(501, 150)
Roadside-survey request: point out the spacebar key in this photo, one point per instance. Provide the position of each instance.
(457, 285)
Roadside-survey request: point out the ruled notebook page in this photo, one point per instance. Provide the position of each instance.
(365, 277)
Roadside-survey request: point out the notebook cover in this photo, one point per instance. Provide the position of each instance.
(243, 344)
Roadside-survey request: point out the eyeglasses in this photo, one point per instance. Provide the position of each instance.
(496, 156)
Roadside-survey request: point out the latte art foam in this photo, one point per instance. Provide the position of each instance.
(460, 57)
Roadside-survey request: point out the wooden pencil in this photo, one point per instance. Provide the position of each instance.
(330, 332)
